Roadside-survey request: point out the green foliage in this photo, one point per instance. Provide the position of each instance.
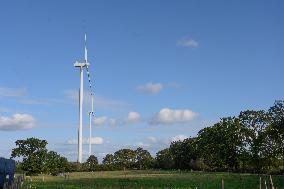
(164, 159)
(210, 147)
(143, 159)
(222, 144)
(33, 151)
(253, 141)
(124, 158)
(276, 129)
(256, 123)
(108, 159)
(91, 163)
(54, 163)
(37, 159)
(108, 162)
(74, 167)
(128, 159)
(184, 153)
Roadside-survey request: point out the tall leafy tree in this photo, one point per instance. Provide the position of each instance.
(164, 159)
(108, 162)
(276, 129)
(125, 158)
(143, 159)
(177, 152)
(221, 145)
(210, 145)
(54, 163)
(91, 163)
(184, 153)
(234, 139)
(33, 151)
(256, 122)
(108, 159)
(190, 153)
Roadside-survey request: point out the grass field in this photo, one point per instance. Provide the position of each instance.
(154, 179)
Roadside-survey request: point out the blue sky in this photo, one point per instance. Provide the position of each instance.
(161, 70)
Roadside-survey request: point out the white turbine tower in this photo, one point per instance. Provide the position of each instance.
(91, 113)
(81, 95)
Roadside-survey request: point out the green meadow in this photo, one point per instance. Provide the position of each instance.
(153, 180)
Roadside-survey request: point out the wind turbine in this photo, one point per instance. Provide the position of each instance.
(81, 93)
(91, 113)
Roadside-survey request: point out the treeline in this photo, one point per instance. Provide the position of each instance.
(36, 159)
(253, 141)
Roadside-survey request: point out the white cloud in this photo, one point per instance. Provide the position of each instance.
(10, 92)
(99, 101)
(72, 141)
(178, 138)
(150, 88)
(94, 140)
(168, 116)
(133, 117)
(107, 121)
(17, 122)
(113, 122)
(142, 144)
(152, 139)
(187, 42)
(98, 121)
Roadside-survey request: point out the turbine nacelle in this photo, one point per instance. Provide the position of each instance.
(78, 64)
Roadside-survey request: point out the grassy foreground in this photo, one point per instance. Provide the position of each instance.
(154, 179)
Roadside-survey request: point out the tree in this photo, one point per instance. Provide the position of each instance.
(256, 122)
(54, 163)
(124, 158)
(143, 160)
(164, 159)
(108, 159)
(191, 159)
(33, 151)
(270, 150)
(276, 129)
(176, 150)
(222, 144)
(108, 162)
(184, 153)
(234, 138)
(210, 147)
(92, 163)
